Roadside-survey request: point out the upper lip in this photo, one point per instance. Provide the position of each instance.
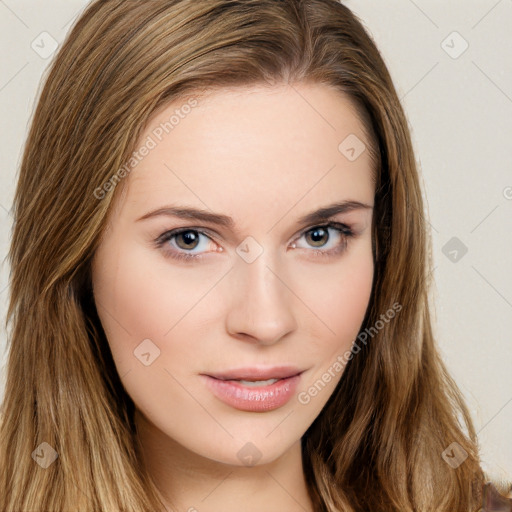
(257, 373)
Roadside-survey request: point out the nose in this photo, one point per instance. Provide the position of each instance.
(261, 308)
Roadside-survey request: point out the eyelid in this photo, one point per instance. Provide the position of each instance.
(328, 223)
(176, 231)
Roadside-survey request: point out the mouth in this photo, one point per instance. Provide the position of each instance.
(255, 374)
(254, 389)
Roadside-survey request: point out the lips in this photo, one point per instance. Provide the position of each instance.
(257, 374)
(254, 389)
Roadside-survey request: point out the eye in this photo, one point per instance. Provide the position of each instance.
(319, 236)
(180, 243)
(185, 239)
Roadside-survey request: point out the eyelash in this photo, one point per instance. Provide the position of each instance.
(345, 231)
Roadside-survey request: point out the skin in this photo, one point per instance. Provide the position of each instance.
(265, 156)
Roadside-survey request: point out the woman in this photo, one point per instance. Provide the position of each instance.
(268, 370)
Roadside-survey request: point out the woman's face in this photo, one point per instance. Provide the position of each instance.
(258, 293)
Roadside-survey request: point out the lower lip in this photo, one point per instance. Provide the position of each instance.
(253, 399)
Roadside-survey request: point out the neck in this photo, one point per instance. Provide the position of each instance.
(189, 482)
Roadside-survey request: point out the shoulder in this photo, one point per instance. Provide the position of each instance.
(494, 501)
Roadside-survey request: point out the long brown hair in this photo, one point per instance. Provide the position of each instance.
(378, 443)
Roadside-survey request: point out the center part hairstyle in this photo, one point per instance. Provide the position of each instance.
(377, 445)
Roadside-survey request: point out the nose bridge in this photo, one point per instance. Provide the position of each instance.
(261, 306)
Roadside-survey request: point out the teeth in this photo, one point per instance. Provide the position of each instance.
(257, 382)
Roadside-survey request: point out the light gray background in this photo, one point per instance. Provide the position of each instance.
(459, 107)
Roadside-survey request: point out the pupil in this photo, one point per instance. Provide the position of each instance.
(189, 236)
(321, 232)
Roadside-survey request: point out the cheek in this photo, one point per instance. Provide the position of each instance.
(134, 302)
(142, 296)
(341, 305)
(339, 295)
(353, 288)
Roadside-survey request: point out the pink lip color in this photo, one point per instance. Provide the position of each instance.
(253, 399)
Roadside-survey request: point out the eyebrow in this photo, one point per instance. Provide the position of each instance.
(317, 216)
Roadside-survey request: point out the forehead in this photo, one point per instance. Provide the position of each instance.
(252, 146)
